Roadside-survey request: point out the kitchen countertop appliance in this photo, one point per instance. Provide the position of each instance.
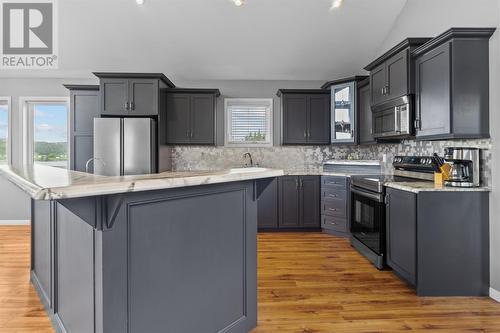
(464, 163)
(368, 203)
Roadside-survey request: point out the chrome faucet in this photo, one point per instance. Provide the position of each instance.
(250, 158)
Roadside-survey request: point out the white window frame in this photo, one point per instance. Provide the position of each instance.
(8, 99)
(268, 101)
(27, 125)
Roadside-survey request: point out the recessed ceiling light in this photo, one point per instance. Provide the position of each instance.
(239, 3)
(140, 2)
(336, 4)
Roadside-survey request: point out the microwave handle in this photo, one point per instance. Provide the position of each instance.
(397, 119)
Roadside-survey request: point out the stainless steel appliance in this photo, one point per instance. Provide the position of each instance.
(393, 119)
(368, 204)
(124, 146)
(464, 163)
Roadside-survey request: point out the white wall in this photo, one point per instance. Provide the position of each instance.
(14, 203)
(423, 18)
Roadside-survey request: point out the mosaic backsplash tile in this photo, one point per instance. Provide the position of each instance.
(312, 157)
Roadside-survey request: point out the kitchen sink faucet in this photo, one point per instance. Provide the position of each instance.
(250, 158)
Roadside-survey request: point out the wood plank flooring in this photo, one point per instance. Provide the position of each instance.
(308, 282)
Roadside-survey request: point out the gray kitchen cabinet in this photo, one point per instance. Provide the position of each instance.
(344, 109)
(365, 129)
(299, 203)
(437, 241)
(84, 107)
(306, 116)
(191, 116)
(132, 94)
(452, 85)
(391, 74)
(267, 204)
(401, 233)
(335, 198)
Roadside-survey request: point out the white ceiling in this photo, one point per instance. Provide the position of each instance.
(214, 39)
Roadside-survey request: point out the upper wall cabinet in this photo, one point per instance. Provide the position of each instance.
(84, 107)
(452, 85)
(306, 116)
(391, 75)
(131, 94)
(365, 128)
(344, 109)
(191, 116)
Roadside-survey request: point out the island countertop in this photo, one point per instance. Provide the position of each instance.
(47, 183)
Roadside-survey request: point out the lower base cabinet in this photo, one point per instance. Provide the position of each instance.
(335, 204)
(438, 241)
(289, 203)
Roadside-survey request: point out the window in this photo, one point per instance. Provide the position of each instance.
(248, 122)
(46, 131)
(4, 129)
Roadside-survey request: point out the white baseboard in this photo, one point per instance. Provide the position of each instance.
(14, 222)
(495, 294)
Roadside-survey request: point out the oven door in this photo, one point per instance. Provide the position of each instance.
(368, 219)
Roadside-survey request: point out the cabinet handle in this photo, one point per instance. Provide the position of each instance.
(187, 133)
(132, 105)
(382, 91)
(127, 107)
(332, 209)
(192, 134)
(332, 195)
(297, 184)
(387, 90)
(301, 184)
(309, 133)
(305, 133)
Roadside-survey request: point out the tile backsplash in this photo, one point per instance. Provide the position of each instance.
(312, 157)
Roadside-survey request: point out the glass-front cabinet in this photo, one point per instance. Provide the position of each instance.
(344, 108)
(343, 116)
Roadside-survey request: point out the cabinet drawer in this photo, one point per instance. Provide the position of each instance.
(334, 223)
(334, 208)
(333, 181)
(333, 193)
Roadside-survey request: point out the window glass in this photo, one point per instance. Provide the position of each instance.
(4, 130)
(249, 122)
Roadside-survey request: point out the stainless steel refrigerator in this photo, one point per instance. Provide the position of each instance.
(124, 146)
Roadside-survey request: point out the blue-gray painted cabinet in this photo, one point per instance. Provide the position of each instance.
(84, 107)
(452, 85)
(335, 198)
(299, 202)
(132, 94)
(191, 116)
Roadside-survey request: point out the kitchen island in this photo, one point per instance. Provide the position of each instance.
(169, 252)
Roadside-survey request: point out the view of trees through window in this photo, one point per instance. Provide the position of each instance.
(4, 127)
(50, 134)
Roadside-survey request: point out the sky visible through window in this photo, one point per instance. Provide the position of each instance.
(4, 126)
(50, 134)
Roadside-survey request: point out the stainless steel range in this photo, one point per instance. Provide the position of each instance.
(368, 204)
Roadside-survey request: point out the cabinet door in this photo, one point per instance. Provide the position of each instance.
(202, 119)
(318, 119)
(267, 204)
(289, 202)
(433, 92)
(84, 107)
(295, 119)
(343, 118)
(178, 123)
(310, 201)
(365, 115)
(378, 81)
(397, 75)
(114, 96)
(143, 97)
(401, 225)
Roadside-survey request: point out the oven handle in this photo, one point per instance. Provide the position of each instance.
(374, 196)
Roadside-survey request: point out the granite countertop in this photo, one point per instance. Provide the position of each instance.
(45, 182)
(428, 186)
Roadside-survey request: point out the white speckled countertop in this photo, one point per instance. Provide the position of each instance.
(427, 186)
(45, 182)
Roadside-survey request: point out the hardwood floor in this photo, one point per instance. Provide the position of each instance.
(308, 282)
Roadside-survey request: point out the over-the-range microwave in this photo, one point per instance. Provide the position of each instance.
(393, 119)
